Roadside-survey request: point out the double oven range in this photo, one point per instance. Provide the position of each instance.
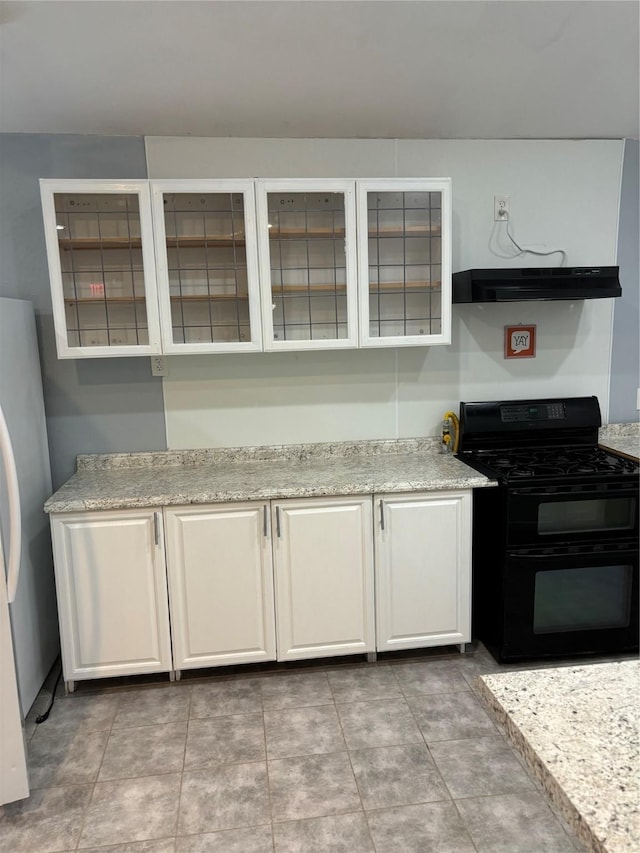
(555, 544)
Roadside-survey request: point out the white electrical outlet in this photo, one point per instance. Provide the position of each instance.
(159, 366)
(500, 208)
(638, 400)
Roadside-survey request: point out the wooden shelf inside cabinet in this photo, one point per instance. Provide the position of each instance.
(394, 286)
(229, 240)
(93, 243)
(408, 231)
(79, 244)
(100, 300)
(304, 234)
(278, 290)
(213, 297)
(221, 241)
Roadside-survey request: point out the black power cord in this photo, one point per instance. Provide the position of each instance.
(45, 714)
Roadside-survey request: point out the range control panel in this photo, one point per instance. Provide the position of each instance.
(532, 412)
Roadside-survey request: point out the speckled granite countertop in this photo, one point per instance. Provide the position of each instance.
(119, 481)
(625, 438)
(578, 728)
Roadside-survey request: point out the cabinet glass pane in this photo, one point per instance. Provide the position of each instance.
(404, 250)
(101, 263)
(308, 265)
(207, 263)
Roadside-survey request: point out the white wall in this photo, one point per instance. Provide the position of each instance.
(93, 405)
(625, 353)
(564, 194)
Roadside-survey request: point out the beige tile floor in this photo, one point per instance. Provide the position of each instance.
(393, 757)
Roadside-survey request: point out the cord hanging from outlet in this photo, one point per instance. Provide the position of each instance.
(502, 214)
(501, 208)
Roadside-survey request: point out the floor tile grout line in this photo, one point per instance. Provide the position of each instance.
(435, 763)
(147, 725)
(355, 778)
(378, 667)
(266, 764)
(409, 696)
(184, 757)
(554, 818)
(95, 781)
(308, 754)
(464, 823)
(373, 841)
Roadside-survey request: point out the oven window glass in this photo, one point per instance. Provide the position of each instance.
(586, 516)
(582, 599)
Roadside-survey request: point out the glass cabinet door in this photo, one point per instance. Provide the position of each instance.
(306, 233)
(404, 245)
(206, 255)
(100, 252)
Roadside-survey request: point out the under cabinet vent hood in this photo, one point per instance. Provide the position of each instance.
(535, 283)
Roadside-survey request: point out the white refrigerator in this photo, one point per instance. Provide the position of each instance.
(29, 638)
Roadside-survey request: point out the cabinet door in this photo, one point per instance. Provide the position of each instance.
(112, 593)
(307, 240)
(220, 584)
(404, 262)
(423, 570)
(102, 269)
(207, 264)
(324, 577)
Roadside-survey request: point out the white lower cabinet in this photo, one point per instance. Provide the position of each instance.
(323, 557)
(220, 584)
(112, 593)
(252, 582)
(423, 569)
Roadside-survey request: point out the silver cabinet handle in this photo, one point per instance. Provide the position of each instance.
(156, 527)
(278, 530)
(382, 515)
(264, 520)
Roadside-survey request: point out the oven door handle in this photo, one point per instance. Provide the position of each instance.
(563, 492)
(519, 555)
(528, 493)
(623, 553)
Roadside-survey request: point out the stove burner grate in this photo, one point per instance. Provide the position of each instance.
(522, 463)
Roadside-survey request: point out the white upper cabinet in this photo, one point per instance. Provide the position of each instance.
(207, 265)
(307, 245)
(404, 259)
(100, 251)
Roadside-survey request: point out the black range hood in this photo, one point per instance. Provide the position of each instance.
(535, 284)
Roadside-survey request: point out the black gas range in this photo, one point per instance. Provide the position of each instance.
(555, 545)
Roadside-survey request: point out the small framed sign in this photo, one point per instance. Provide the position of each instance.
(519, 341)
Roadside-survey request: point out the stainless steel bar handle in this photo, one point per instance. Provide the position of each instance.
(382, 515)
(278, 530)
(156, 527)
(264, 520)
